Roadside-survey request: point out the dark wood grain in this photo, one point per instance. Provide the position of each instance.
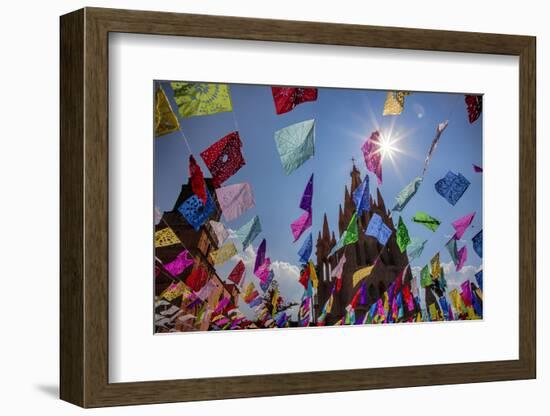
(84, 207)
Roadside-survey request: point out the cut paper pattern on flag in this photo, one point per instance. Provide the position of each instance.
(224, 253)
(462, 224)
(426, 220)
(260, 255)
(166, 237)
(395, 102)
(179, 264)
(237, 273)
(477, 169)
(351, 233)
(197, 179)
(295, 144)
(235, 200)
(372, 155)
(305, 250)
(224, 158)
(300, 225)
(474, 105)
(220, 231)
(462, 257)
(440, 128)
(361, 196)
(307, 196)
(453, 251)
(477, 242)
(165, 120)
(415, 248)
(406, 194)
(174, 291)
(378, 229)
(361, 274)
(403, 238)
(452, 187)
(436, 266)
(248, 232)
(201, 99)
(286, 98)
(197, 279)
(195, 212)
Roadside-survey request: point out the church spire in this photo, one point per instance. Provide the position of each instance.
(355, 176)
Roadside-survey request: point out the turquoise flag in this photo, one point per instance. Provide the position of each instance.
(248, 232)
(295, 144)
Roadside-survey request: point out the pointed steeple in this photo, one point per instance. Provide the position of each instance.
(326, 230)
(341, 220)
(380, 200)
(355, 177)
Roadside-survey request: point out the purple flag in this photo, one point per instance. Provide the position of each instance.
(462, 257)
(260, 255)
(477, 169)
(307, 197)
(373, 156)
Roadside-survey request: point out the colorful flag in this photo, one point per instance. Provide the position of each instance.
(440, 128)
(286, 98)
(201, 99)
(179, 264)
(224, 158)
(166, 237)
(452, 187)
(224, 253)
(307, 196)
(466, 293)
(452, 249)
(337, 272)
(197, 179)
(235, 200)
(426, 220)
(220, 231)
(197, 279)
(248, 232)
(361, 274)
(352, 233)
(425, 278)
(403, 238)
(313, 275)
(395, 102)
(462, 224)
(295, 144)
(305, 250)
(361, 196)
(301, 224)
(264, 285)
(207, 290)
(477, 242)
(477, 169)
(479, 279)
(415, 248)
(378, 229)
(434, 316)
(304, 277)
(436, 266)
(195, 212)
(165, 120)
(474, 104)
(462, 257)
(237, 273)
(373, 157)
(406, 194)
(260, 255)
(174, 291)
(263, 271)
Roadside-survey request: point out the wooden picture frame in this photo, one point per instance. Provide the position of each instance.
(84, 207)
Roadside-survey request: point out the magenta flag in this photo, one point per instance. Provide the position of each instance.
(477, 169)
(263, 271)
(179, 264)
(462, 257)
(373, 157)
(466, 293)
(300, 225)
(462, 224)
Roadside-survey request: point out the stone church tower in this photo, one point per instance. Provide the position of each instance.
(358, 255)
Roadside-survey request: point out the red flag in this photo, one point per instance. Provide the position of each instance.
(224, 158)
(304, 278)
(197, 279)
(286, 98)
(237, 273)
(474, 106)
(197, 179)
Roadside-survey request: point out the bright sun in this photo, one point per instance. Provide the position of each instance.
(387, 146)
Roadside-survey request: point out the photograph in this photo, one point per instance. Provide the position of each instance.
(303, 206)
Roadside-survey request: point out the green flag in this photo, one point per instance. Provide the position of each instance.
(201, 99)
(403, 238)
(406, 194)
(425, 278)
(426, 220)
(351, 234)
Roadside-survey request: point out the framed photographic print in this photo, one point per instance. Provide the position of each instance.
(356, 203)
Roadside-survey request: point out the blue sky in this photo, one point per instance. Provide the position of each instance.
(345, 118)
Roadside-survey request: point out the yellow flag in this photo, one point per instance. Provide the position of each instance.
(361, 274)
(173, 291)
(395, 102)
(165, 119)
(471, 312)
(275, 298)
(433, 312)
(166, 237)
(313, 275)
(479, 293)
(224, 253)
(201, 99)
(386, 302)
(329, 304)
(418, 317)
(248, 290)
(436, 266)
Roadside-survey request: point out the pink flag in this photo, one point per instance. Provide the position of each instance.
(462, 224)
(373, 156)
(301, 224)
(263, 271)
(462, 257)
(235, 199)
(179, 264)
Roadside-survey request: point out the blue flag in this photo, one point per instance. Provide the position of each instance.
(452, 187)
(195, 212)
(444, 307)
(305, 251)
(378, 229)
(361, 196)
(479, 279)
(477, 241)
